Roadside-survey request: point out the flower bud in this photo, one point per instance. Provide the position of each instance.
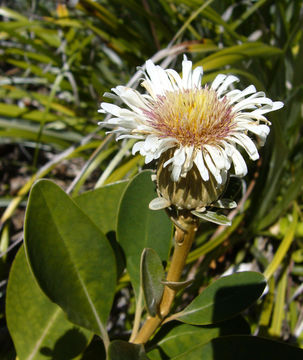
(189, 192)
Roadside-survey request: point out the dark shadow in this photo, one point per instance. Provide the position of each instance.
(68, 346)
(226, 304)
(95, 350)
(251, 348)
(118, 251)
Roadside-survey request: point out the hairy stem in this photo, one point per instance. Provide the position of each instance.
(186, 228)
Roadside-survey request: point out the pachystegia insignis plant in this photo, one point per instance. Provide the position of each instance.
(194, 134)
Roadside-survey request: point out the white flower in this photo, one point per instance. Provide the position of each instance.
(201, 126)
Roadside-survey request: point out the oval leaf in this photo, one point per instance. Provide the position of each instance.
(224, 299)
(152, 273)
(139, 227)
(39, 327)
(70, 257)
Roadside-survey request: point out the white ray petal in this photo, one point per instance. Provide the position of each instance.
(250, 103)
(110, 95)
(242, 94)
(232, 94)
(249, 117)
(276, 105)
(261, 130)
(244, 141)
(137, 147)
(131, 98)
(164, 79)
(239, 163)
(216, 156)
(152, 72)
(226, 83)
(212, 168)
(111, 108)
(227, 161)
(186, 73)
(151, 143)
(177, 162)
(148, 156)
(128, 136)
(129, 124)
(176, 172)
(201, 166)
(175, 79)
(218, 81)
(179, 156)
(188, 164)
(164, 145)
(197, 77)
(149, 87)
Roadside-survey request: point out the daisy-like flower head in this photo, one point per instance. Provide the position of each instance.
(194, 131)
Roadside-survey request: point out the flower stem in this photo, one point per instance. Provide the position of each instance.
(138, 314)
(186, 227)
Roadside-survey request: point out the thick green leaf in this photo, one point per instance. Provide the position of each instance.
(152, 273)
(182, 338)
(123, 350)
(70, 257)
(243, 347)
(101, 205)
(224, 299)
(139, 227)
(39, 327)
(236, 53)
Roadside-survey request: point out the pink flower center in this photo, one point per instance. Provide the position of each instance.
(194, 117)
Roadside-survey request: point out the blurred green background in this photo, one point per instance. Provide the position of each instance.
(57, 59)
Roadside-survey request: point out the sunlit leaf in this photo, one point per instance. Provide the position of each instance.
(38, 327)
(70, 257)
